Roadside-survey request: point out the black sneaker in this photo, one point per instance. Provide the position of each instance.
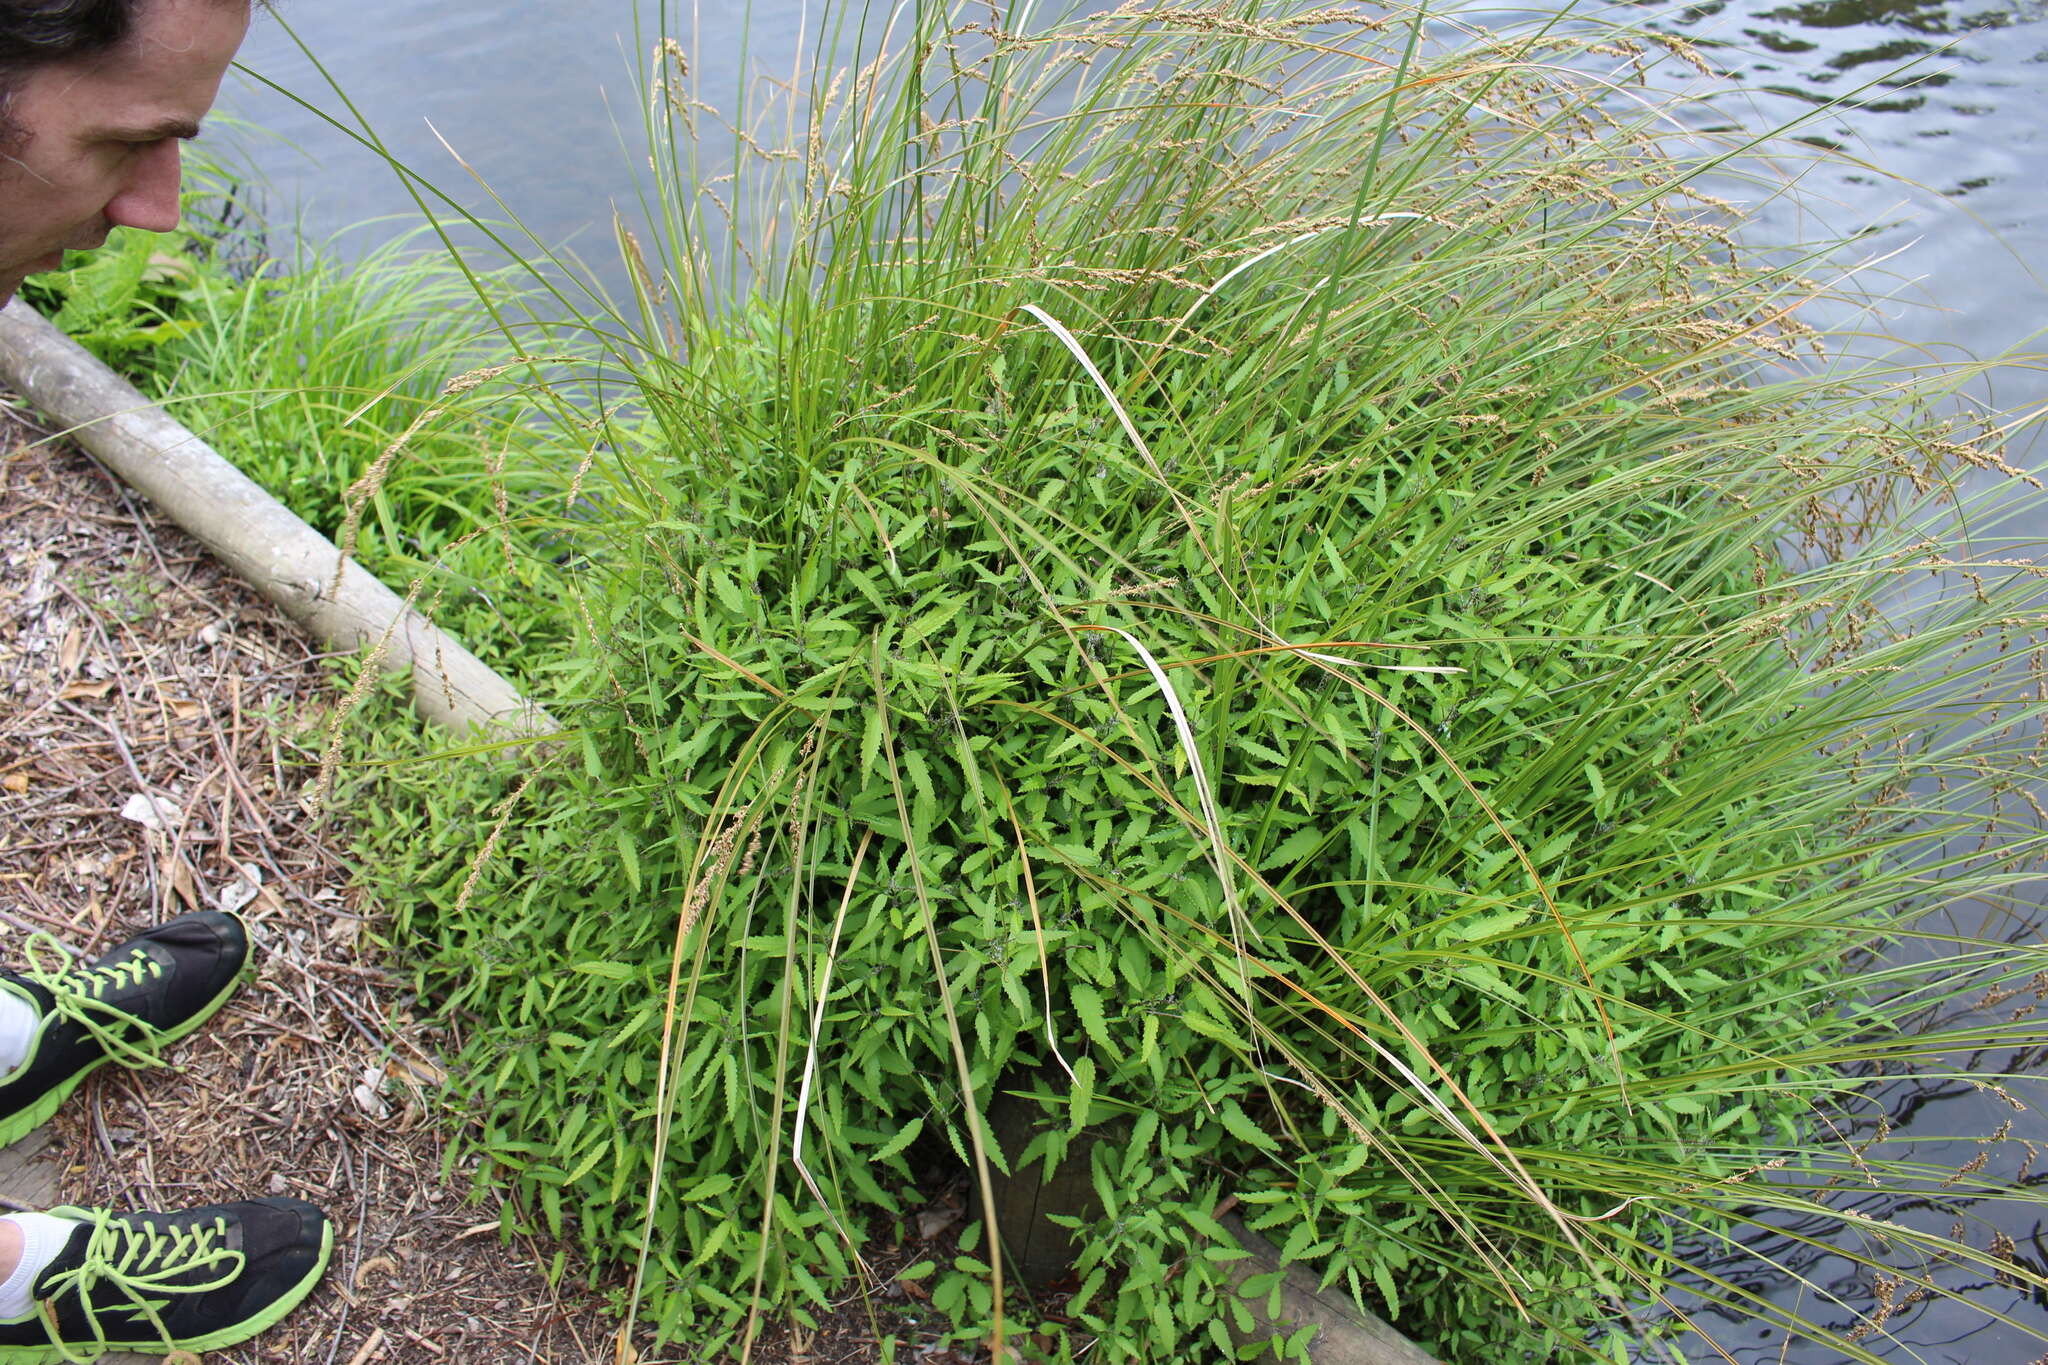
(198, 1280)
(125, 1006)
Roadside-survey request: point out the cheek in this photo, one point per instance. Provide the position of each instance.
(49, 203)
(75, 204)
(31, 225)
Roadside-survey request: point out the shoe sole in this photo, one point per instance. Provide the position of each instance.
(232, 1335)
(22, 1122)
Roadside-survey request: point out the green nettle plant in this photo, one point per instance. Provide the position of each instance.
(123, 301)
(1286, 591)
(314, 374)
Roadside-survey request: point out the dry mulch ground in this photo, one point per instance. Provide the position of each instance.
(137, 676)
(157, 737)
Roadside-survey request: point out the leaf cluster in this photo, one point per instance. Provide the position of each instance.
(1256, 583)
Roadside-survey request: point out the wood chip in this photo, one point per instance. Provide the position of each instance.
(177, 874)
(419, 1340)
(261, 1100)
(419, 1071)
(371, 1347)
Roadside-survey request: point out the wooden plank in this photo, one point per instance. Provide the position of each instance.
(26, 1181)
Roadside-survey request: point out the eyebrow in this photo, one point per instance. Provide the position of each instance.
(173, 127)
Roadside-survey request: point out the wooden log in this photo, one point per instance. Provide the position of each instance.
(1345, 1335)
(286, 561)
(1036, 1250)
(1039, 1251)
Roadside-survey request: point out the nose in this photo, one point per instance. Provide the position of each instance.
(148, 197)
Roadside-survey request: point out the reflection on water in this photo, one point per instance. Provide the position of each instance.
(1958, 1133)
(529, 97)
(535, 99)
(1941, 113)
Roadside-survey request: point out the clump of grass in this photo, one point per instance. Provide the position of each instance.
(347, 386)
(1299, 583)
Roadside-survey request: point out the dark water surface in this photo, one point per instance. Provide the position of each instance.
(536, 98)
(1947, 102)
(518, 88)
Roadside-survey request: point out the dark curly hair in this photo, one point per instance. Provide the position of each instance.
(36, 31)
(33, 32)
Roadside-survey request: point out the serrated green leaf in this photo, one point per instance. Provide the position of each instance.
(1473, 928)
(1241, 1127)
(905, 1135)
(1081, 1097)
(1087, 1003)
(629, 857)
(710, 1187)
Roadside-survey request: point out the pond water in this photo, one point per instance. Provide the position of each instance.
(535, 98)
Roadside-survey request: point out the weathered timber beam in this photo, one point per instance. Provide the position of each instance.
(286, 561)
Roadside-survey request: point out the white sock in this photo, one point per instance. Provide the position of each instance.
(42, 1238)
(19, 1022)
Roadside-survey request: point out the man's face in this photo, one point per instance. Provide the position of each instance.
(100, 149)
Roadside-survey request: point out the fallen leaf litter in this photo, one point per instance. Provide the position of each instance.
(150, 710)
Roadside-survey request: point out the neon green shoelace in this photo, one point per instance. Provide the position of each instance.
(75, 992)
(144, 1264)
